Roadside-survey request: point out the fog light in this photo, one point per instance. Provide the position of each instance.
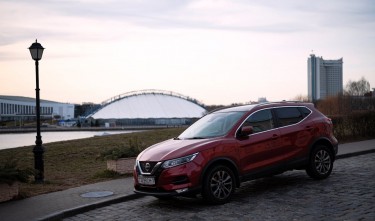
(182, 190)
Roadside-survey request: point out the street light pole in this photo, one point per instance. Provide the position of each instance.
(36, 51)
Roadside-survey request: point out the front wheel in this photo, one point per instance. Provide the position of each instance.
(218, 185)
(321, 163)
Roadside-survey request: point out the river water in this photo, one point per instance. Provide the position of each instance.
(26, 139)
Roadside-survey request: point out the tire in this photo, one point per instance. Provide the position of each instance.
(320, 163)
(218, 185)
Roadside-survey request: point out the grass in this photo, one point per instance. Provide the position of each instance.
(74, 163)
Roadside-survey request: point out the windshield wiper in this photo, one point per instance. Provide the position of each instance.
(196, 138)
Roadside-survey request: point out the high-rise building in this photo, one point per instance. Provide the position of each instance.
(324, 77)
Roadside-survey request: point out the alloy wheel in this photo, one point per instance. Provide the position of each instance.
(322, 162)
(221, 184)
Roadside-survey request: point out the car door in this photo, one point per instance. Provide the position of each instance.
(295, 132)
(260, 149)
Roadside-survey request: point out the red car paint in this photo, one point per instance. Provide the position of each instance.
(278, 137)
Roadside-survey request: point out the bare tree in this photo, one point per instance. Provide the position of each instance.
(357, 88)
(300, 97)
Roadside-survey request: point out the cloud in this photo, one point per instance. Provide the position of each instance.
(22, 19)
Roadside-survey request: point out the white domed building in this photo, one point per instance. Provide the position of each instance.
(149, 107)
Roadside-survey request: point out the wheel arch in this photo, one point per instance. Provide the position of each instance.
(222, 161)
(323, 141)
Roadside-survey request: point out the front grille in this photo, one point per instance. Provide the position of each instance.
(147, 166)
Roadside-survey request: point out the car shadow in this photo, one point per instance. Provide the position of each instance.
(282, 183)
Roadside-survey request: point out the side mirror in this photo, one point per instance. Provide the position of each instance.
(246, 131)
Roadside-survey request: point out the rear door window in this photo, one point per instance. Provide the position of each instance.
(288, 116)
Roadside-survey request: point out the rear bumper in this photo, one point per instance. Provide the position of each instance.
(335, 148)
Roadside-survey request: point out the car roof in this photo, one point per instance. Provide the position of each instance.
(249, 107)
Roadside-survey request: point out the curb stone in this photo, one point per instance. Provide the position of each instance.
(347, 155)
(85, 208)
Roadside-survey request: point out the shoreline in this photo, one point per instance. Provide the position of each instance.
(74, 129)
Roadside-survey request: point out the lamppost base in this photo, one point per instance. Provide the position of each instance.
(39, 163)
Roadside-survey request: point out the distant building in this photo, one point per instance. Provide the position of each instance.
(16, 107)
(262, 100)
(85, 109)
(148, 107)
(325, 77)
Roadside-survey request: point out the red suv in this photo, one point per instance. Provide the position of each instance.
(226, 147)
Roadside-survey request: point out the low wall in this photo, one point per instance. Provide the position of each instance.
(122, 165)
(8, 192)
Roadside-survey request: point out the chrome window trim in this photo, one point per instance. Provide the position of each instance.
(272, 116)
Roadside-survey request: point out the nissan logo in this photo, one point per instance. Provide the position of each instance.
(147, 166)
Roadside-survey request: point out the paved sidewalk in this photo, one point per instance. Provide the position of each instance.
(55, 206)
(356, 148)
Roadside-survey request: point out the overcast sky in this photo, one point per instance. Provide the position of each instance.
(216, 51)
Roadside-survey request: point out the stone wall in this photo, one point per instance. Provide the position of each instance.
(8, 192)
(122, 165)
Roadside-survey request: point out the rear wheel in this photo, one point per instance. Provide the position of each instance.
(321, 163)
(218, 185)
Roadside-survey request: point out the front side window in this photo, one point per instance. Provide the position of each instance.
(260, 121)
(288, 116)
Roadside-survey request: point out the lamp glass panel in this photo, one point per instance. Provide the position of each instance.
(36, 53)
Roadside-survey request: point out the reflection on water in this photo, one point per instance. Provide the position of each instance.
(27, 139)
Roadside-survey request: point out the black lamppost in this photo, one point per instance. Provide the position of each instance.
(36, 51)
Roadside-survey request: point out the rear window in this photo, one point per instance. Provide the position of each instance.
(288, 116)
(305, 111)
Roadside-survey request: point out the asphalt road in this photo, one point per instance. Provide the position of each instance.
(348, 194)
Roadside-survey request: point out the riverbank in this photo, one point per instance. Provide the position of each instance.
(14, 140)
(74, 163)
(5, 130)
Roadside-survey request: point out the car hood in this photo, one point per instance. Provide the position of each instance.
(171, 149)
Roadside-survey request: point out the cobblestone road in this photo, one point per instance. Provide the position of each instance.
(348, 194)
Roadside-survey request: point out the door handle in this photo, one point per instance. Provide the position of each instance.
(274, 137)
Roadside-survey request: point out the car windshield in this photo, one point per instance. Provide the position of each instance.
(212, 125)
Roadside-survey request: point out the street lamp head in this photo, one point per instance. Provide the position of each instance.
(36, 51)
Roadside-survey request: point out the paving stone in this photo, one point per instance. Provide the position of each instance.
(348, 194)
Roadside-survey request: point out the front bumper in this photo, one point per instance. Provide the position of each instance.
(180, 180)
(178, 192)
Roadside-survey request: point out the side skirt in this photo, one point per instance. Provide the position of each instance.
(276, 169)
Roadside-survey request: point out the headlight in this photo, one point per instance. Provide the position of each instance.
(178, 161)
